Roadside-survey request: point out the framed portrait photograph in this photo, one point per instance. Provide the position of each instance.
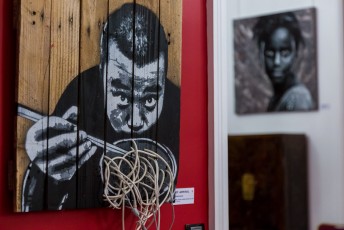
(275, 63)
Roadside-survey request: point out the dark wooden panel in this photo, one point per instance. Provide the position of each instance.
(268, 182)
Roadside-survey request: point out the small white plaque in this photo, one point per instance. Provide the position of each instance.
(184, 196)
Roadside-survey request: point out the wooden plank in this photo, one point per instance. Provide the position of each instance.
(147, 82)
(151, 5)
(132, 78)
(171, 18)
(169, 119)
(115, 4)
(64, 66)
(64, 58)
(140, 86)
(65, 45)
(117, 115)
(34, 50)
(93, 17)
(127, 80)
(32, 78)
(118, 90)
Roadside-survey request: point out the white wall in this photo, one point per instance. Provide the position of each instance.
(324, 128)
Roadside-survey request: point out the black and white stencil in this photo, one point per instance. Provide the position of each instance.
(127, 96)
(275, 63)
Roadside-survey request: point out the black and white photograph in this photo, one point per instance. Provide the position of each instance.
(275, 63)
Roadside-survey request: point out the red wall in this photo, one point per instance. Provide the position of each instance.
(193, 156)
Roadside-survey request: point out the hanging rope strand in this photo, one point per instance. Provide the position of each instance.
(141, 180)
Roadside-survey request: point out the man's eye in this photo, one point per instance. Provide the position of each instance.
(124, 99)
(150, 102)
(121, 99)
(269, 53)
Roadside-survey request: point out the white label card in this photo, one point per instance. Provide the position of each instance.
(184, 196)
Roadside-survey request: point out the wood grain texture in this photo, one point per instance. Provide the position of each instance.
(171, 19)
(140, 112)
(58, 41)
(64, 66)
(94, 14)
(114, 4)
(34, 52)
(152, 5)
(93, 17)
(64, 56)
(33, 75)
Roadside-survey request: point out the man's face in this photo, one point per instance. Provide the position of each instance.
(133, 104)
(279, 54)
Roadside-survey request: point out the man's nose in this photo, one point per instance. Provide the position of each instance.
(277, 58)
(137, 117)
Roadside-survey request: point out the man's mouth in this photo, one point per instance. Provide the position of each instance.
(135, 128)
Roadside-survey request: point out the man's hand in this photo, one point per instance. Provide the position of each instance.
(53, 144)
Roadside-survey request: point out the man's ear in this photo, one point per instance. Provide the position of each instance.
(261, 53)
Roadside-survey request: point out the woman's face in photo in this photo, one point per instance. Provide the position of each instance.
(279, 54)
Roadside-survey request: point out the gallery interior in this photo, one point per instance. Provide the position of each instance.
(325, 151)
(249, 167)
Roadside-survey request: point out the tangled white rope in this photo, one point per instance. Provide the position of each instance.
(136, 180)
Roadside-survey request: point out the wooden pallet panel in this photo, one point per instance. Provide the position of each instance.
(60, 75)
(64, 66)
(33, 77)
(145, 99)
(93, 18)
(171, 18)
